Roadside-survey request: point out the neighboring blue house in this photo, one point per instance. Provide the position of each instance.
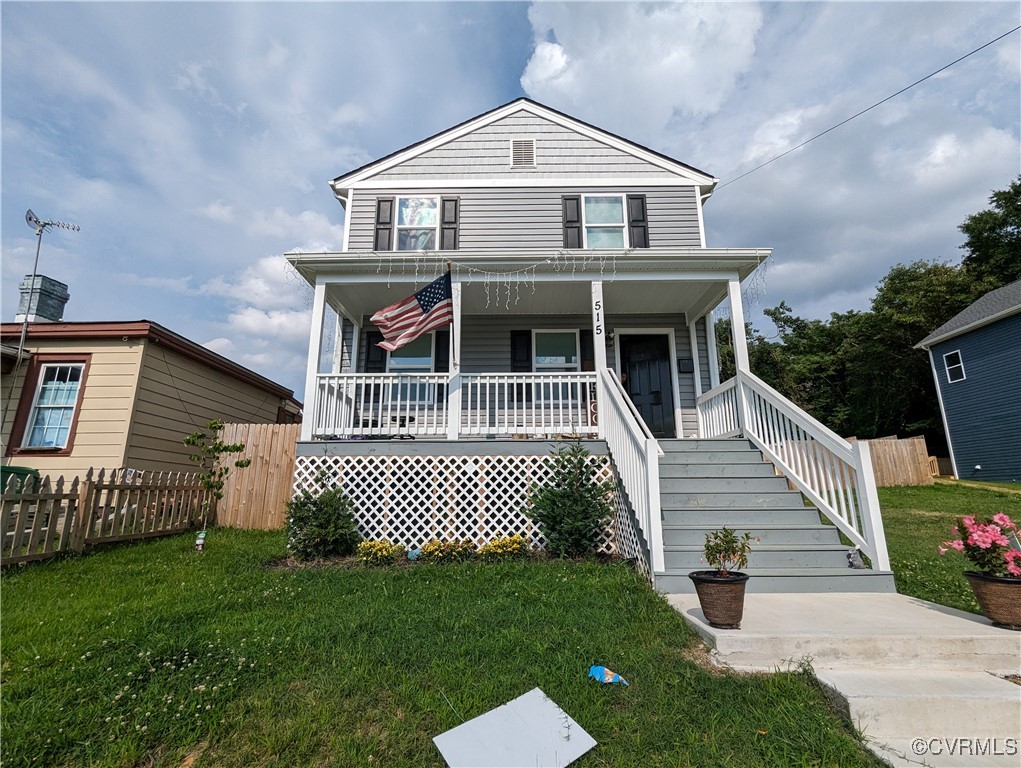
(976, 362)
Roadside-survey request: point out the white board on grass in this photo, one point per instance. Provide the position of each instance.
(529, 731)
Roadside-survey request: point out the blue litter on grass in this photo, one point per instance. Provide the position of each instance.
(604, 675)
(414, 553)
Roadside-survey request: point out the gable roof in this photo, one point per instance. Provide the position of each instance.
(129, 329)
(705, 180)
(993, 306)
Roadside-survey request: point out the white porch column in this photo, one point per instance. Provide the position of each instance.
(454, 381)
(598, 325)
(598, 345)
(314, 343)
(740, 341)
(710, 348)
(737, 325)
(696, 369)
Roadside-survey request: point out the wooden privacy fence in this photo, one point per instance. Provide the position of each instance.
(45, 518)
(900, 462)
(256, 496)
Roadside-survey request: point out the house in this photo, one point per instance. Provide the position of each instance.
(976, 364)
(582, 293)
(120, 394)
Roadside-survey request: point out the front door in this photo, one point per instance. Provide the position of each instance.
(645, 373)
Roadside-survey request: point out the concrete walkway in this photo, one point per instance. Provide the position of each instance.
(924, 683)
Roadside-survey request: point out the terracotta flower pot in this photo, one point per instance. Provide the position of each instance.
(999, 597)
(721, 597)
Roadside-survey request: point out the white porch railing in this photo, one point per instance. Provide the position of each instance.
(363, 404)
(834, 474)
(492, 404)
(636, 455)
(528, 404)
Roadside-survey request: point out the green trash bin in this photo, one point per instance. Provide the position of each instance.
(20, 475)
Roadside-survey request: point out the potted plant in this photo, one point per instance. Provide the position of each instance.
(721, 590)
(993, 548)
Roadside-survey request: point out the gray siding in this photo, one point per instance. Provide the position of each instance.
(522, 217)
(559, 153)
(984, 410)
(703, 355)
(485, 345)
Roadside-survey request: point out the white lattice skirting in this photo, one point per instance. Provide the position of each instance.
(410, 500)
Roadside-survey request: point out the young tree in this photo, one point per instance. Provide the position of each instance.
(212, 468)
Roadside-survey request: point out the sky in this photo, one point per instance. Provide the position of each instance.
(193, 142)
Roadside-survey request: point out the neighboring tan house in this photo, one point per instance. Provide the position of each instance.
(976, 363)
(122, 394)
(582, 290)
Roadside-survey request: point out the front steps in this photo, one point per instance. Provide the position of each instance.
(706, 484)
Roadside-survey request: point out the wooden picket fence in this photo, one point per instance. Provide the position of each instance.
(45, 518)
(256, 497)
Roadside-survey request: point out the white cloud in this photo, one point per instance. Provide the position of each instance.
(269, 284)
(308, 230)
(218, 211)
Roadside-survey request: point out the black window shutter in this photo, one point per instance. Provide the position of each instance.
(588, 350)
(450, 213)
(384, 224)
(572, 221)
(521, 351)
(442, 361)
(374, 359)
(637, 221)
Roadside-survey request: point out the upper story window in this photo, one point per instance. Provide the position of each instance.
(954, 365)
(418, 223)
(603, 218)
(605, 221)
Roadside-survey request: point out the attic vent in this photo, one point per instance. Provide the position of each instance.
(522, 153)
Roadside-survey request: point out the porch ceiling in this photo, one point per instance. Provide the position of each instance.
(518, 297)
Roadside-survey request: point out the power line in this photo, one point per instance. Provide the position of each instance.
(867, 109)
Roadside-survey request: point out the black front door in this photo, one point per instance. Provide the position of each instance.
(645, 370)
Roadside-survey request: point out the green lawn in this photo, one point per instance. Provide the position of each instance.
(917, 519)
(152, 654)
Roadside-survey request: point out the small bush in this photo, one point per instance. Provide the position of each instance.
(456, 551)
(506, 548)
(573, 507)
(381, 553)
(321, 525)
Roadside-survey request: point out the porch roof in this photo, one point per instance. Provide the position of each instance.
(691, 280)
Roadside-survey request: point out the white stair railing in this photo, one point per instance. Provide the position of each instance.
(636, 455)
(834, 474)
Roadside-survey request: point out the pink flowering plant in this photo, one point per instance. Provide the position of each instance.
(990, 544)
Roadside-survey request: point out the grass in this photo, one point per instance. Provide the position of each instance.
(151, 654)
(918, 518)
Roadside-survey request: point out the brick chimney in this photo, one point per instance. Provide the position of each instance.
(42, 301)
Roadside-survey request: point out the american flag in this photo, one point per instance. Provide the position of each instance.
(429, 309)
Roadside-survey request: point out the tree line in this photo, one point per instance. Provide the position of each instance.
(857, 371)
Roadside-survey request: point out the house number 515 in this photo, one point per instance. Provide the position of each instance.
(598, 307)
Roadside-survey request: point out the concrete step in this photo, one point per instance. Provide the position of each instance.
(713, 485)
(977, 753)
(694, 534)
(905, 703)
(689, 558)
(740, 520)
(743, 499)
(787, 580)
(743, 469)
(887, 631)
